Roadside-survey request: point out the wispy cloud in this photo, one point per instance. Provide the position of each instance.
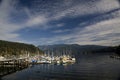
(61, 31)
(60, 25)
(102, 30)
(34, 21)
(67, 9)
(81, 8)
(6, 28)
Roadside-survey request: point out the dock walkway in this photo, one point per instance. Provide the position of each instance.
(12, 65)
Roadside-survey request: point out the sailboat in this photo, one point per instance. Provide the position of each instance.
(67, 58)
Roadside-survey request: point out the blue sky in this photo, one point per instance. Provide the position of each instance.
(45, 22)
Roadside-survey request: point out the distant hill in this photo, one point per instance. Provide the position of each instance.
(117, 50)
(74, 48)
(8, 49)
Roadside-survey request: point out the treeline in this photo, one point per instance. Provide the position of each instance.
(8, 49)
(115, 49)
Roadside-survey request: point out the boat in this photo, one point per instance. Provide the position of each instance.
(43, 62)
(115, 56)
(53, 59)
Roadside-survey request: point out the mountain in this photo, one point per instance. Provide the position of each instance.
(9, 49)
(74, 48)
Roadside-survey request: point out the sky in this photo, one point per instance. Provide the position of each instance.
(46, 22)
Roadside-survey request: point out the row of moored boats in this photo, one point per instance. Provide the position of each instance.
(53, 60)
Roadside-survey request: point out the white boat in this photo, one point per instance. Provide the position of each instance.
(44, 62)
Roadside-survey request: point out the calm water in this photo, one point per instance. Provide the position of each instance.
(88, 67)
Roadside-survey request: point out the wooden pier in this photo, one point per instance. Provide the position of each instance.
(12, 65)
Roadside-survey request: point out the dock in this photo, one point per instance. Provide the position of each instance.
(9, 66)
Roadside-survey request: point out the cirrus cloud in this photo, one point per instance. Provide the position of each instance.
(102, 29)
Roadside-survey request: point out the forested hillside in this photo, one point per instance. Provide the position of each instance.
(117, 50)
(8, 49)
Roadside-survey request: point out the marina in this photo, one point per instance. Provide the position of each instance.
(8, 66)
(88, 67)
(53, 57)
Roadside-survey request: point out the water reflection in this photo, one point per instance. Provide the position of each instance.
(88, 67)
